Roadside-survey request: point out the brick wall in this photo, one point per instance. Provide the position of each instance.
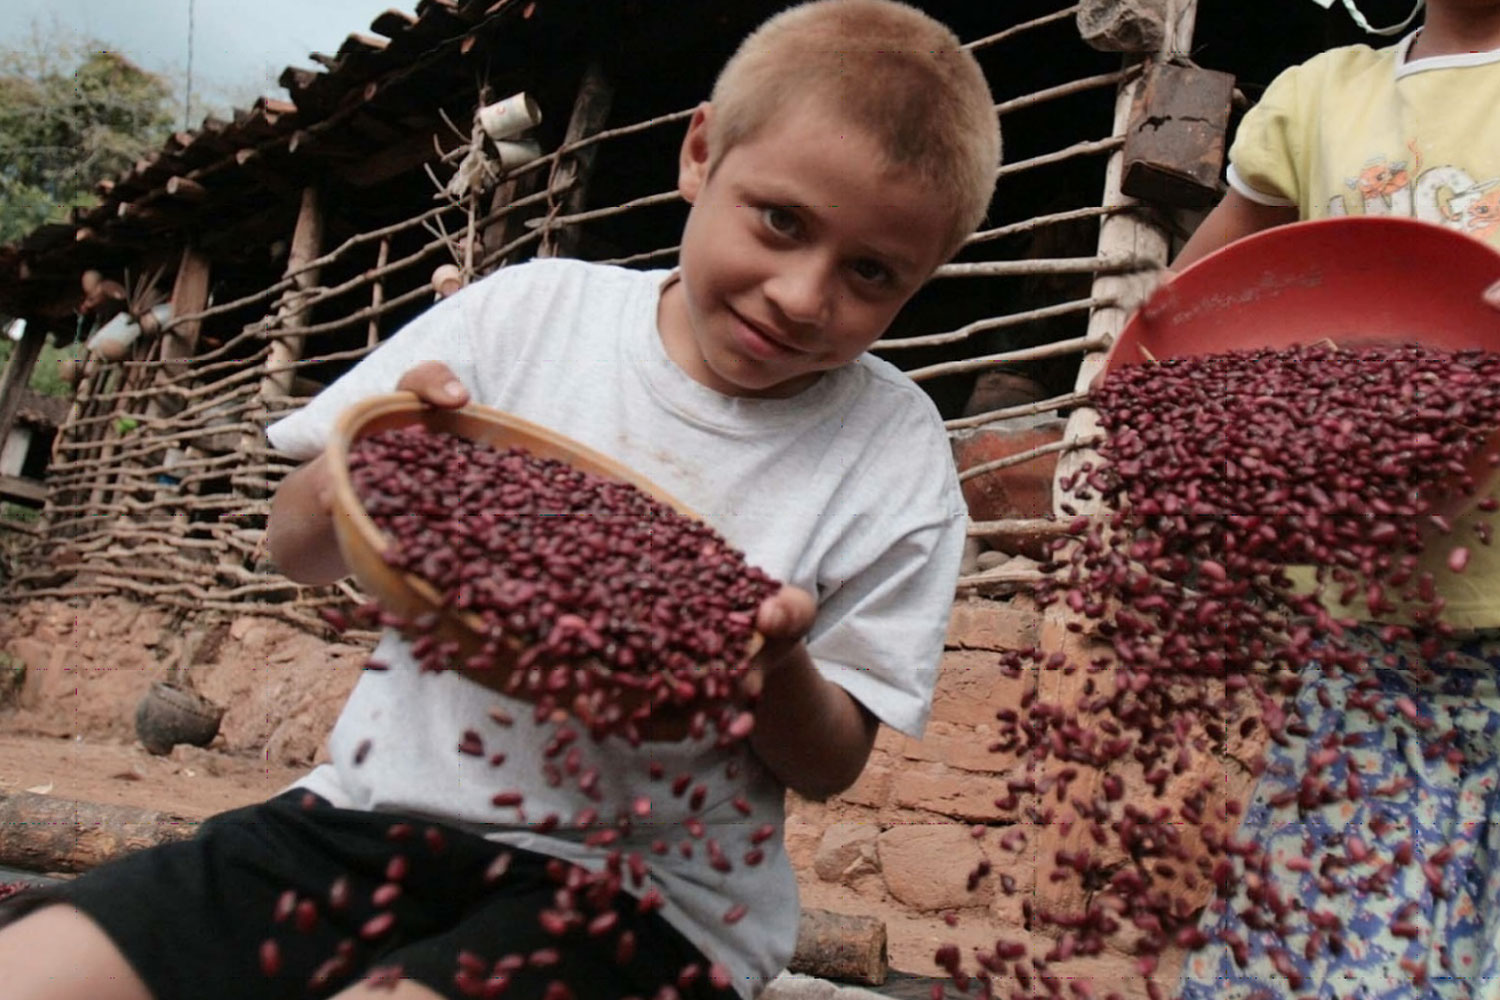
(900, 843)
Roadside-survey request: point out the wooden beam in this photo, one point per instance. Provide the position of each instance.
(26, 491)
(189, 295)
(181, 187)
(590, 113)
(18, 374)
(400, 157)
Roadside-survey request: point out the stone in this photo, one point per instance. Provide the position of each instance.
(1123, 25)
(846, 850)
(792, 986)
(927, 865)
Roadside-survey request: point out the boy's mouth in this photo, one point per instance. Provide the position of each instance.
(759, 342)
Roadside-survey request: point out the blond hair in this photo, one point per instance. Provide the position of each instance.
(886, 68)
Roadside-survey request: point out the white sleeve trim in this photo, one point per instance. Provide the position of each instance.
(1259, 197)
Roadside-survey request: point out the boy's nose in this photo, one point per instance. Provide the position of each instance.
(803, 293)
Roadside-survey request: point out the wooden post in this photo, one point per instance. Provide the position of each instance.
(307, 242)
(500, 232)
(18, 375)
(571, 173)
(189, 296)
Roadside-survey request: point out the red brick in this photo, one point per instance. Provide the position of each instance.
(960, 794)
(966, 747)
(971, 687)
(980, 623)
(874, 785)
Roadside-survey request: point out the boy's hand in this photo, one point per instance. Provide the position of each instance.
(783, 619)
(435, 384)
(1492, 295)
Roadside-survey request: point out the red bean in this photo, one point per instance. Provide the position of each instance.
(270, 958)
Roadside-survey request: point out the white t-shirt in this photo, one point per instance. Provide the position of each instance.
(847, 490)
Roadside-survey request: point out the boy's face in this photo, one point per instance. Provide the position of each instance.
(797, 254)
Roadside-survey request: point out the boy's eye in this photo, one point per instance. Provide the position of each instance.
(873, 271)
(780, 220)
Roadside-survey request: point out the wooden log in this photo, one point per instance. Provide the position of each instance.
(839, 946)
(1174, 149)
(590, 112)
(187, 190)
(45, 834)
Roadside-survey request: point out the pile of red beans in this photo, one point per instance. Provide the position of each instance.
(601, 586)
(1230, 483)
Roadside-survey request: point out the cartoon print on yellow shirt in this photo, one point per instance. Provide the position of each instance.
(1443, 194)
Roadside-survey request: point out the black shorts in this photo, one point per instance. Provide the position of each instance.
(194, 918)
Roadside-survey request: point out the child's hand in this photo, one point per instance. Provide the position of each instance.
(783, 619)
(436, 385)
(1492, 295)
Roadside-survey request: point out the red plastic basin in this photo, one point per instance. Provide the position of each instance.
(1353, 280)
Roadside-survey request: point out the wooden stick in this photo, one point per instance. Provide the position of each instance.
(1022, 458)
(1031, 266)
(1085, 148)
(1067, 89)
(1017, 29)
(1065, 401)
(1060, 349)
(377, 293)
(979, 326)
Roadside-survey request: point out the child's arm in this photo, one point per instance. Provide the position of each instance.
(300, 532)
(812, 734)
(1233, 218)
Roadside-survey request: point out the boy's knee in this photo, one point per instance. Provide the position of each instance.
(55, 952)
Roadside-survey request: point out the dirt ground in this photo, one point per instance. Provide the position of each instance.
(190, 782)
(73, 676)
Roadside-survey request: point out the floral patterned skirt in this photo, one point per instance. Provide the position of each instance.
(1445, 946)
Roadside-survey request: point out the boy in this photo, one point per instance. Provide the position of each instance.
(848, 149)
(1407, 130)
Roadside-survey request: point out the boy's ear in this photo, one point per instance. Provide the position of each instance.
(692, 165)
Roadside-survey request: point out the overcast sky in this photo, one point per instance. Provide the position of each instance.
(239, 46)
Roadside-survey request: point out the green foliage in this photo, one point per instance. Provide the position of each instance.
(70, 115)
(44, 377)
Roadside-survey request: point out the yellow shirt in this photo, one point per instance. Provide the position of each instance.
(1361, 131)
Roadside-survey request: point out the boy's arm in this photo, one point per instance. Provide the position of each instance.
(1233, 218)
(300, 534)
(812, 734)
